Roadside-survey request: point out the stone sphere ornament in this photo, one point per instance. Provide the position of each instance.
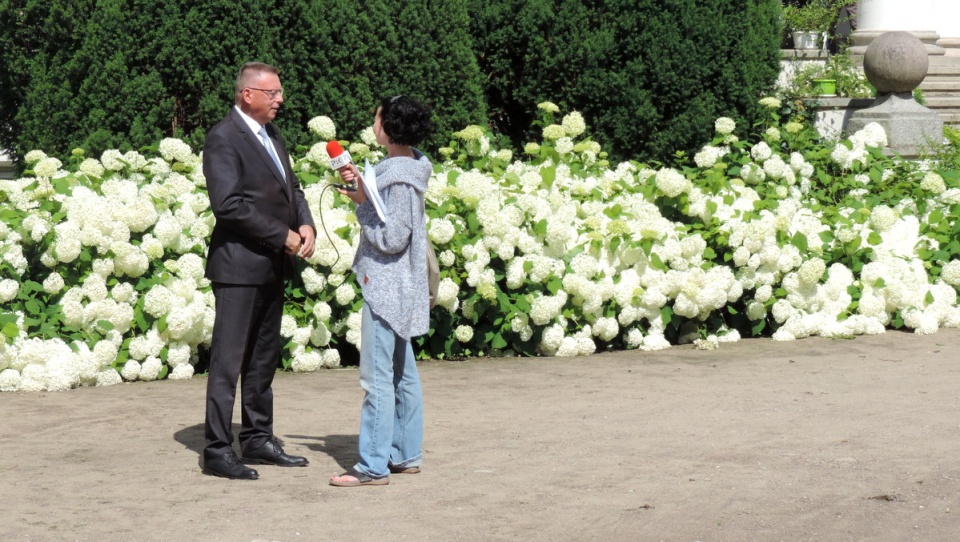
(895, 62)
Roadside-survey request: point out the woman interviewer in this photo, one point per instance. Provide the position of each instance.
(390, 265)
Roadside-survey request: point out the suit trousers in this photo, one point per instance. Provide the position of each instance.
(245, 345)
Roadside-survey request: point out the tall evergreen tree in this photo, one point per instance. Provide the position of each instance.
(649, 75)
(125, 73)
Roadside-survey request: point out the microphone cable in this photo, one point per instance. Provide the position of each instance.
(324, 226)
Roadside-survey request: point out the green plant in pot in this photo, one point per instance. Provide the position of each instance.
(810, 22)
(837, 76)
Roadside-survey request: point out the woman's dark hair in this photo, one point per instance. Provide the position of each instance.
(405, 120)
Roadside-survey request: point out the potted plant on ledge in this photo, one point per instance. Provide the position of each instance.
(837, 76)
(810, 23)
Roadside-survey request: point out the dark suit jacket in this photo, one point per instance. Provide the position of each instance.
(253, 205)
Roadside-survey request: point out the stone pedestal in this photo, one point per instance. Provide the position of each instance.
(896, 63)
(911, 128)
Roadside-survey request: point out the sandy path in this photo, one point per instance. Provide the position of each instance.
(807, 440)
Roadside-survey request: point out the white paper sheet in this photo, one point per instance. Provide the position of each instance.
(370, 187)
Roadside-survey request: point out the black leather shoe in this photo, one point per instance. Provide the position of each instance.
(270, 453)
(228, 466)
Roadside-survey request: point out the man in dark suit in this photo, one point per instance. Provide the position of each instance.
(262, 224)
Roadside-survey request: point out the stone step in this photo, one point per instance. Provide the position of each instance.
(940, 86)
(944, 61)
(950, 118)
(945, 83)
(949, 79)
(927, 94)
(942, 102)
(948, 70)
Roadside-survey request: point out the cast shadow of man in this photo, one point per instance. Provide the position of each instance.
(342, 448)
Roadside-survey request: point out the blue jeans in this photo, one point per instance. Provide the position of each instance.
(391, 420)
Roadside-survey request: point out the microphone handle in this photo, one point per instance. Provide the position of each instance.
(349, 187)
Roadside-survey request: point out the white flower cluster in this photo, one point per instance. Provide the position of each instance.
(581, 254)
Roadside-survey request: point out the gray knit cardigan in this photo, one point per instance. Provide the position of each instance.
(391, 260)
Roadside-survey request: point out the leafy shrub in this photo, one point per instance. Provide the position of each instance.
(651, 78)
(105, 75)
(564, 253)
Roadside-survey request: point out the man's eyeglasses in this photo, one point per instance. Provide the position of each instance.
(271, 93)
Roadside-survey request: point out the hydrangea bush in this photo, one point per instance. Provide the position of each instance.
(559, 253)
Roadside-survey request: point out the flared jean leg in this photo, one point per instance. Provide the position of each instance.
(391, 418)
(408, 396)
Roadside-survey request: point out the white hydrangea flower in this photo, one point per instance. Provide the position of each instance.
(181, 372)
(709, 155)
(770, 102)
(724, 125)
(318, 154)
(10, 380)
(447, 293)
(173, 149)
(672, 183)
(951, 273)
(157, 167)
(313, 281)
(368, 137)
(882, 218)
(9, 289)
(871, 135)
(463, 333)
(441, 231)
(320, 336)
(933, 183)
(574, 124)
(551, 339)
(108, 377)
(606, 329)
(323, 126)
(345, 293)
(47, 167)
(553, 132)
(564, 145)
(91, 167)
(761, 151)
(811, 270)
(34, 156)
(130, 370)
(549, 107)
(53, 283)
(150, 369)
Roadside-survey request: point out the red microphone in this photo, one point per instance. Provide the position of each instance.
(339, 160)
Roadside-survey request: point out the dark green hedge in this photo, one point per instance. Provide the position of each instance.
(649, 75)
(125, 73)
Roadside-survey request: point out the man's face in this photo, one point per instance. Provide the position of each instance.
(262, 107)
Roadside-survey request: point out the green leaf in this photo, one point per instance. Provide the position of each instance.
(799, 240)
(32, 307)
(554, 285)
(666, 314)
(540, 228)
(105, 325)
(613, 211)
(11, 330)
